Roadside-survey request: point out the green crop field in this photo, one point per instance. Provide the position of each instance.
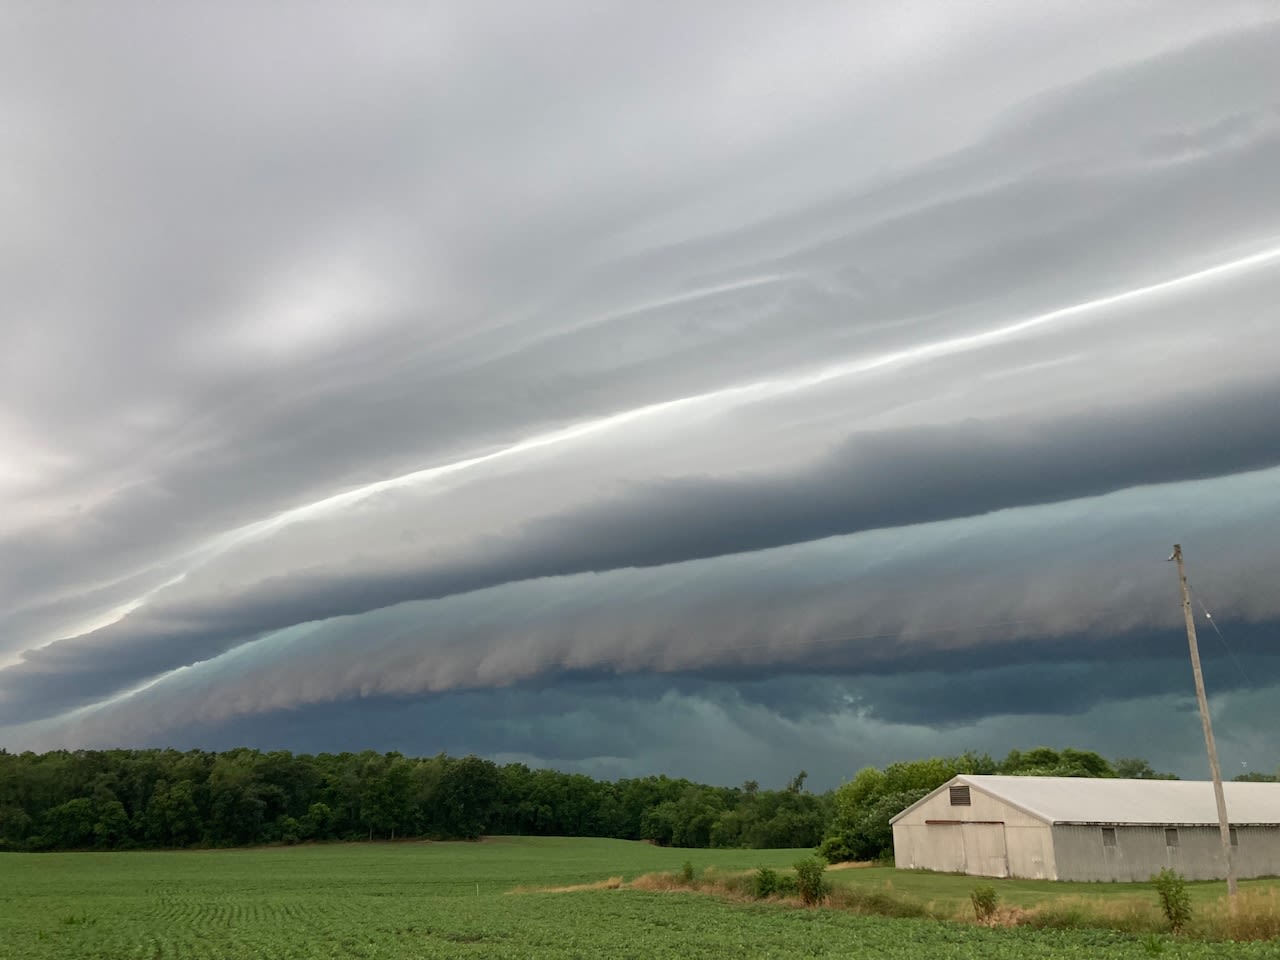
(428, 900)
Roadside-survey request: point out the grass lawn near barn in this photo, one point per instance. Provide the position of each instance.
(950, 892)
(437, 900)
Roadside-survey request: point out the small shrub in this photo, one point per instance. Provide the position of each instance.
(835, 850)
(984, 900)
(765, 883)
(787, 886)
(809, 882)
(1171, 888)
(686, 874)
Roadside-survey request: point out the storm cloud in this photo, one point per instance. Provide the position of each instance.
(824, 368)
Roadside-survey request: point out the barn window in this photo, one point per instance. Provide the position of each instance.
(1108, 836)
(1171, 836)
(960, 797)
(1235, 838)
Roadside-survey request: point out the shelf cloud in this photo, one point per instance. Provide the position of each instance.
(585, 386)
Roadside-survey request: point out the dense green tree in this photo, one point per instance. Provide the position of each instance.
(1135, 768)
(236, 814)
(467, 796)
(15, 827)
(172, 818)
(1046, 762)
(69, 826)
(316, 823)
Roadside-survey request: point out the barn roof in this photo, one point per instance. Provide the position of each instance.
(1110, 801)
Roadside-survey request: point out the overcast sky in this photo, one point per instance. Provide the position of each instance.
(718, 392)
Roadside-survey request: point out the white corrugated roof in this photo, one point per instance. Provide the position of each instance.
(1087, 800)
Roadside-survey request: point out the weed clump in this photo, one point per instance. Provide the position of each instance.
(985, 901)
(1175, 901)
(885, 902)
(809, 881)
(1256, 917)
(764, 883)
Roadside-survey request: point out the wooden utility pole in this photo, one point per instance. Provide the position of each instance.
(1224, 825)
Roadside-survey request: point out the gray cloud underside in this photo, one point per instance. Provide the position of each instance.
(871, 481)
(240, 295)
(1091, 568)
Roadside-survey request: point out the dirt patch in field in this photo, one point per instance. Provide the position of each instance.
(852, 865)
(613, 883)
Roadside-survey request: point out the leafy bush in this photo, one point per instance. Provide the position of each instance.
(1171, 888)
(835, 849)
(860, 829)
(765, 882)
(984, 900)
(686, 873)
(809, 882)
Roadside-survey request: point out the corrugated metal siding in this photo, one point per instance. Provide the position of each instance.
(1031, 852)
(1258, 854)
(1142, 851)
(920, 847)
(985, 854)
(992, 839)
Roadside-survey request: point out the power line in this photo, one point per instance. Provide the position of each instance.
(1214, 623)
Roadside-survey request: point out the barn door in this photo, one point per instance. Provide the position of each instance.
(985, 854)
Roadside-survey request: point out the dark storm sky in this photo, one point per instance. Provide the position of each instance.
(716, 393)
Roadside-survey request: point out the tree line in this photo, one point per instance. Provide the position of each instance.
(134, 799)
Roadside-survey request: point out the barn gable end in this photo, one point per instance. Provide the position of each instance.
(985, 836)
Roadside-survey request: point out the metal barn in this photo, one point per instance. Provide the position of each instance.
(1067, 828)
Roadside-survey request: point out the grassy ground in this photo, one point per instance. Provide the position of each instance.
(949, 892)
(419, 900)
